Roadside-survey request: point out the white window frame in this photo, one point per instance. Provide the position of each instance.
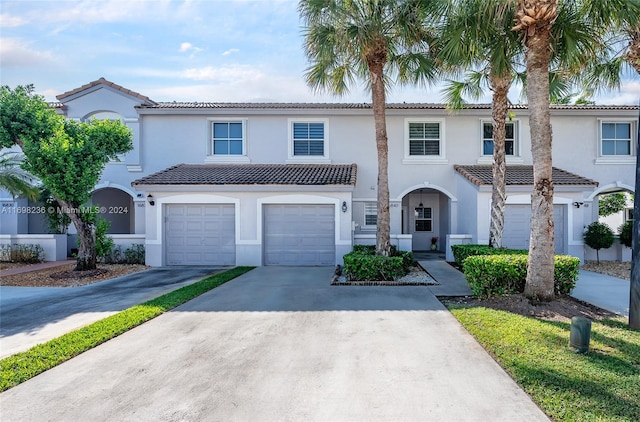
(416, 219)
(516, 158)
(370, 206)
(210, 157)
(618, 159)
(424, 159)
(317, 159)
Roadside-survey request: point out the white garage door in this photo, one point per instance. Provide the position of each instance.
(200, 234)
(517, 227)
(299, 235)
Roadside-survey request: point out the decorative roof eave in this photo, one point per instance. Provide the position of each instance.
(261, 175)
(520, 175)
(146, 101)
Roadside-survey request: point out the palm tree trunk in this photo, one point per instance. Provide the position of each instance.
(500, 87)
(378, 96)
(540, 284)
(633, 54)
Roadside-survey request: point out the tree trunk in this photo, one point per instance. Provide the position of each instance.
(86, 238)
(383, 228)
(540, 284)
(633, 52)
(500, 87)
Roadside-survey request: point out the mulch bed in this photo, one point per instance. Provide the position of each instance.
(78, 274)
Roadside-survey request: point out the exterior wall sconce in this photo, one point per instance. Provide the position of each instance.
(150, 200)
(344, 206)
(578, 204)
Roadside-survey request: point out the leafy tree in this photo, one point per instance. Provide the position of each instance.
(598, 236)
(346, 40)
(104, 244)
(67, 156)
(626, 233)
(611, 203)
(13, 178)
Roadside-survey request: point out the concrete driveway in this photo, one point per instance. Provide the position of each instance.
(281, 344)
(32, 315)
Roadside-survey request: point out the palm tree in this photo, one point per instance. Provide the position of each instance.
(14, 179)
(534, 19)
(477, 34)
(346, 40)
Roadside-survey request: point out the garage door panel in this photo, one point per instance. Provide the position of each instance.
(200, 234)
(299, 234)
(517, 227)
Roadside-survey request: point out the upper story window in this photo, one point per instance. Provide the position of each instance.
(227, 140)
(424, 141)
(510, 141)
(308, 140)
(615, 138)
(370, 214)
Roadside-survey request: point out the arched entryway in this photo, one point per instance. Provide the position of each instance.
(117, 207)
(426, 215)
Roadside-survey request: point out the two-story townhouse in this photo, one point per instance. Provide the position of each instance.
(295, 184)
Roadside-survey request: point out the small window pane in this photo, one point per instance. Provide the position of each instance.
(370, 214)
(316, 131)
(608, 148)
(416, 148)
(487, 131)
(423, 225)
(316, 148)
(220, 130)
(508, 147)
(416, 130)
(220, 147)
(235, 130)
(300, 131)
(487, 147)
(235, 147)
(623, 148)
(608, 131)
(623, 130)
(432, 148)
(432, 130)
(300, 148)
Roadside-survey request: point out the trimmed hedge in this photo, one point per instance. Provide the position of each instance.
(461, 252)
(499, 275)
(363, 264)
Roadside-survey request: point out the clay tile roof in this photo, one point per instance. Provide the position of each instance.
(519, 175)
(253, 174)
(102, 81)
(362, 106)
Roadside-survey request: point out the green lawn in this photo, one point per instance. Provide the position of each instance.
(601, 385)
(20, 367)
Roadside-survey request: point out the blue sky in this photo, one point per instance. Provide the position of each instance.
(209, 50)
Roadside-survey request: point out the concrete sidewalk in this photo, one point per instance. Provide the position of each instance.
(604, 291)
(281, 344)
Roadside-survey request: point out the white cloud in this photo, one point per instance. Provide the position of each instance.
(629, 94)
(230, 51)
(185, 46)
(7, 21)
(223, 74)
(15, 52)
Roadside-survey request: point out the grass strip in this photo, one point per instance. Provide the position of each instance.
(22, 366)
(601, 385)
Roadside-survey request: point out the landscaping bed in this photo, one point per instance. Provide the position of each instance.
(64, 276)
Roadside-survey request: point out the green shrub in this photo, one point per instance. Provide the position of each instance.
(461, 252)
(598, 236)
(104, 244)
(626, 233)
(359, 266)
(131, 255)
(135, 254)
(363, 264)
(24, 253)
(499, 275)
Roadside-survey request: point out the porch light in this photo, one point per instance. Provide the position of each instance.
(150, 200)
(344, 206)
